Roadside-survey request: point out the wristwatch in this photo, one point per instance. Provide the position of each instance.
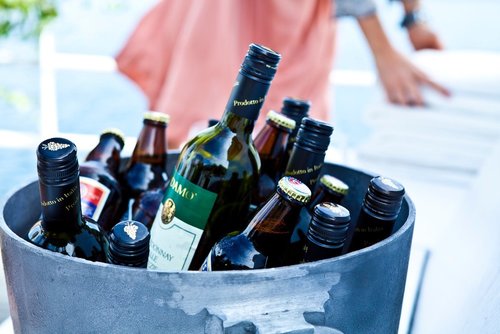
(410, 19)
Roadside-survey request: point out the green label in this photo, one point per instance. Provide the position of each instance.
(179, 224)
(193, 204)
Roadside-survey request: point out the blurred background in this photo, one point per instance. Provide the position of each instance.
(66, 82)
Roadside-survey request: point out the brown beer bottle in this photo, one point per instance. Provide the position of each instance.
(378, 213)
(327, 232)
(145, 177)
(62, 227)
(263, 244)
(295, 109)
(271, 144)
(101, 192)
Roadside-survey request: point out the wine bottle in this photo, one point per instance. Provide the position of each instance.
(327, 232)
(264, 243)
(378, 213)
(128, 244)
(308, 153)
(215, 175)
(145, 177)
(295, 109)
(101, 192)
(62, 227)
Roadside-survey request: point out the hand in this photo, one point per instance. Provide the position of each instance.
(402, 80)
(422, 37)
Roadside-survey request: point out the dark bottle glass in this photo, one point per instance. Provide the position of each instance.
(145, 177)
(62, 227)
(327, 232)
(378, 213)
(212, 122)
(330, 189)
(271, 144)
(215, 175)
(295, 109)
(129, 244)
(263, 244)
(100, 190)
(308, 154)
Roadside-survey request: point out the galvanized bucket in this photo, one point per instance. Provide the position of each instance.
(360, 292)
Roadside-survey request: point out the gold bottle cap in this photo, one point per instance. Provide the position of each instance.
(156, 116)
(114, 131)
(280, 119)
(334, 184)
(295, 189)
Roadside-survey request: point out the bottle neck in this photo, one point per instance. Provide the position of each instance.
(275, 218)
(271, 144)
(107, 152)
(61, 206)
(244, 104)
(151, 146)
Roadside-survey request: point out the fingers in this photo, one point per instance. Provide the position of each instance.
(434, 85)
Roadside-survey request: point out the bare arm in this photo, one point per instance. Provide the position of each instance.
(400, 78)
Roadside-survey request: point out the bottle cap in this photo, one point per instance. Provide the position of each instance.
(329, 224)
(334, 184)
(280, 119)
(314, 135)
(384, 196)
(294, 107)
(115, 132)
(57, 161)
(260, 63)
(129, 244)
(294, 189)
(156, 116)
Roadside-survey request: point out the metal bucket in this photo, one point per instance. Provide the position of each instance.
(360, 292)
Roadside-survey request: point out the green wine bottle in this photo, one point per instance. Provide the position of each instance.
(209, 192)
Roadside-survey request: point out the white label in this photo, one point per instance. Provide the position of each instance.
(172, 245)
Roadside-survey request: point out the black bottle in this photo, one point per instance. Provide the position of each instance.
(330, 189)
(378, 213)
(264, 243)
(100, 190)
(308, 154)
(129, 244)
(295, 109)
(62, 227)
(327, 232)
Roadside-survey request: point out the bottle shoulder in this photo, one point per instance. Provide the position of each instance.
(236, 252)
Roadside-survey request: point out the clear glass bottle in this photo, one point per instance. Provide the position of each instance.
(327, 232)
(378, 213)
(101, 192)
(145, 177)
(264, 243)
(129, 244)
(215, 175)
(62, 227)
(271, 144)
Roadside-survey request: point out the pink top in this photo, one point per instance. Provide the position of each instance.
(185, 55)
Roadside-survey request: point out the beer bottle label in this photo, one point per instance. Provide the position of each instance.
(94, 195)
(179, 224)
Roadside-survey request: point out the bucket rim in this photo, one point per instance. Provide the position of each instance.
(5, 231)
